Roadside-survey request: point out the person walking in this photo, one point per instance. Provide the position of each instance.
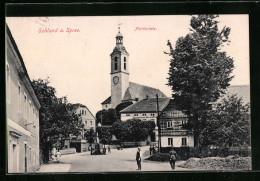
(173, 158)
(109, 151)
(150, 150)
(138, 158)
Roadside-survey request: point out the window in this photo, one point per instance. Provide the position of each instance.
(169, 124)
(116, 63)
(152, 115)
(19, 97)
(8, 82)
(90, 122)
(85, 112)
(86, 123)
(29, 111)
(144, 114)
(135, 114)
(25, 107)
(170, 143)
(125, 63)
(184, 141)
(127, 114)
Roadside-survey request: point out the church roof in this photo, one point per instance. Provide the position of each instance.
(240, 90)
(119, 34)
(147, 105)
(141, 92)
(138, 91)
(107, 101)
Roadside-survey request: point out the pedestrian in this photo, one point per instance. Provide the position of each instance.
(153, 149)
(58, 155)
(173, 158)
(138, 158)
(150, 150)
(104, 150)
(109, 151)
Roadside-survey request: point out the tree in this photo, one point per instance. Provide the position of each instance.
(90, 135)
(55, 121)
(106, 117)
(104, 135)
(120, 107)
(199, 72)
(228, 124)
(132, 130)
(120, 130)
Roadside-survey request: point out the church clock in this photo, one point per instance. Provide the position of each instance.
(115, 79)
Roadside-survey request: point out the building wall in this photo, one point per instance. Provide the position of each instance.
(88, 119)
(141, 116)
(106, 106)
(177, 141)
(22, 118)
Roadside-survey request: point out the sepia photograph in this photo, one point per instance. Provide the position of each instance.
(150, 93)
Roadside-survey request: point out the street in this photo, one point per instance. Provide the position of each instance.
(117, 161)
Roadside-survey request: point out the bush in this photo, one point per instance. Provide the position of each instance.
(161, 157)
(218, 163)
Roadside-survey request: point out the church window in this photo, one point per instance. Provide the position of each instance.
(124, 63)
(116, 63)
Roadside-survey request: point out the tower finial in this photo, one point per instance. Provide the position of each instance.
(119, 27)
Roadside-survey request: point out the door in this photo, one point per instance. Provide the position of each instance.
(14, 154)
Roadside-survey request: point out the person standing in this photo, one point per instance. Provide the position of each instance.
(138, 158)
(109, 151)
(58, 156)
(173, 158)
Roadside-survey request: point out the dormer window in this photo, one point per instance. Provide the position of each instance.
(116, 64)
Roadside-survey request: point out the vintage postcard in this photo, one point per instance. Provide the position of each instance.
(128, 93)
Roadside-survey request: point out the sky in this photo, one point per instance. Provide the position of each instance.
(78, 63)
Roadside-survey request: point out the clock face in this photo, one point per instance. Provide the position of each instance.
(115, 79)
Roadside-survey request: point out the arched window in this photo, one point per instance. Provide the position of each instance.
(125, 63)
(115, 63)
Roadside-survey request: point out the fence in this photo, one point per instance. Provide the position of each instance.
(133, 144)
(185, 153)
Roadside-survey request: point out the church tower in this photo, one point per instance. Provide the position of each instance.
(119, 71)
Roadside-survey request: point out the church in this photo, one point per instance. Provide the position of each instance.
(121, 89)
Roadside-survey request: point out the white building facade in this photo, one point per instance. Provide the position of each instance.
(22, 113)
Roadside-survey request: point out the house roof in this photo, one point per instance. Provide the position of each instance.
(107, 101)
(21, 66)
(141, 92)
(240, 90)
(73, 107)
(147, 105)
